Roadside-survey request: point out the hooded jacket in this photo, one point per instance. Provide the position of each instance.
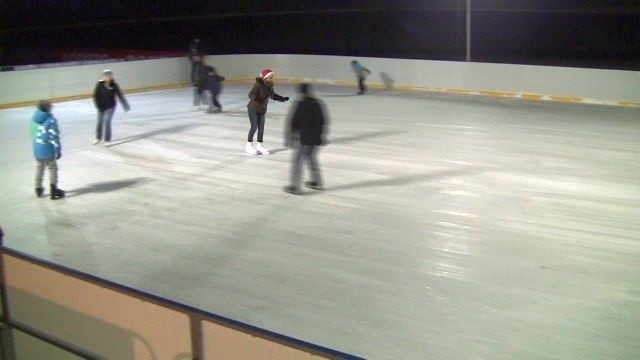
(260, 94)
(45, 136)
(104, 96)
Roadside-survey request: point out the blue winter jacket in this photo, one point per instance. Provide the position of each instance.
(45, 136)
(360, 70)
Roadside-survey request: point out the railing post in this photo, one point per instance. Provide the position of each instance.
(468, 32)
(6, 335)
(197, 349)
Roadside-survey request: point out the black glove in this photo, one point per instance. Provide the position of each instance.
(286, 98)
(58, 156)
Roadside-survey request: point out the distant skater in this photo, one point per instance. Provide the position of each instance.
(47, 148)
(361, 73)
(306, 132)
(212, 87)
(259, 97)
(198, 73)
(104, 98)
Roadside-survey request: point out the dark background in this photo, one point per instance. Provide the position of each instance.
(599, 34)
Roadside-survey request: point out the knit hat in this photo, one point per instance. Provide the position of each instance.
(266, 73)
(44, 105)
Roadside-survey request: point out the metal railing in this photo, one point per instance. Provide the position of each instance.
(196, 316)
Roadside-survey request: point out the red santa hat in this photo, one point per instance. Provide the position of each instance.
(266, 73)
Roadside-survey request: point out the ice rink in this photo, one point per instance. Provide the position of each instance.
(451, 227)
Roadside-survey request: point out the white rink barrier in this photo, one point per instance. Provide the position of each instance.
(574, 85)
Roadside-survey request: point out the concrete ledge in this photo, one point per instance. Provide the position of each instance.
(90, 95)
(373, 85)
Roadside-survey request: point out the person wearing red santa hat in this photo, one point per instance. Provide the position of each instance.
(259, 96)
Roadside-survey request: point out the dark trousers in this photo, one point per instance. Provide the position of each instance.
(257, 123)
(104, 124)
(212, 101)
(216, 103)
(361, 84)
(302, 153)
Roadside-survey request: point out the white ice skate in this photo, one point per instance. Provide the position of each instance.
(249, 149)
(261, 150)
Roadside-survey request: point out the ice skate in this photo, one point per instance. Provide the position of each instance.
(249, 149)
(292, 190)
(314, 185)
(39, 191)
(56, 193)
(96, 142)
(261, 150)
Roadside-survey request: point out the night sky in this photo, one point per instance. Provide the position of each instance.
(600, 34)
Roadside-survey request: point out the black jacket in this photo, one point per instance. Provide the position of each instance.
(260, 94)
(212, 83)
(307, 122)
(104, 97)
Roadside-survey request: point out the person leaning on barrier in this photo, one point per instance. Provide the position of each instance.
(306, 131)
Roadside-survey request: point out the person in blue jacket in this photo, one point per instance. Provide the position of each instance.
(45, 136)
(361, 73)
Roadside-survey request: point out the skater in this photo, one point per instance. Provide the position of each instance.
(361, 73)
(194, 47)
(104, 98)
(46, 148)
(212, 87)
(197, 79)
(306, 131)
(257, 108)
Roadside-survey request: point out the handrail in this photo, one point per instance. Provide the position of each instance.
(195, 315)
(60, 344)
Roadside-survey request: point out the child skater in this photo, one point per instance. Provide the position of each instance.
(212, 87)
(46, 148)
(259, 97)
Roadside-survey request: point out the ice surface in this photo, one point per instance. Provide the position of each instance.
(452, 227)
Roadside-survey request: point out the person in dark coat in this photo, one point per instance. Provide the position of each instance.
(198, 73)
(47, 148)
(306, 131)
(259, 97)
(212, 87)
(104, 98)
